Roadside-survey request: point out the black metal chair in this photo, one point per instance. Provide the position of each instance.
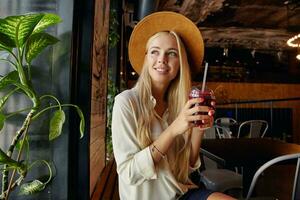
(226, 122)
(296, 187)
(223, 132)
(255, 128)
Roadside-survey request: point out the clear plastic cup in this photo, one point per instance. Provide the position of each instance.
(209, 100)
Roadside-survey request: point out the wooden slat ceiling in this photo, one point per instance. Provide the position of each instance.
(252, 24)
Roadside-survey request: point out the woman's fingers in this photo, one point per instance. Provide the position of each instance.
(199, 112)
(201, 121)
(211, 112)
(203, 118)
(213, 103)
(198, 109)
(192, 112)
(193, 101)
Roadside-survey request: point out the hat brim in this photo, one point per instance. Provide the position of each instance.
(166, 21)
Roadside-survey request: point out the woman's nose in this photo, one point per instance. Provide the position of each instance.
(162, 59)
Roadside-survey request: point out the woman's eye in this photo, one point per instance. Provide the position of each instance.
(154, 52)
(172, 53)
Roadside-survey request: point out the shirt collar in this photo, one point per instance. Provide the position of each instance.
(166, 113)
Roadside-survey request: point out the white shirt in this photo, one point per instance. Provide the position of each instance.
(139, 178)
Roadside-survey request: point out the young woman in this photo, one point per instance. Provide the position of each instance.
(156, 144)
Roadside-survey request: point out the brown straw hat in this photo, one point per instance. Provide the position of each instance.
(166, 21)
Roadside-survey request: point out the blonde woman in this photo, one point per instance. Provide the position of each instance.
(156, 145)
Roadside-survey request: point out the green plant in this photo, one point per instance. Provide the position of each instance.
(112, 89)
(113, 37)
(23, 38)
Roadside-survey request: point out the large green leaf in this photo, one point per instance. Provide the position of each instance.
(4, 48)
(26, 27)
(36, 43)
(17, 29)
(47, 20)
(6, 41)
(82, 121)
(32, 187)
(2, 120)
(8, 30)
(9, 79)
(56, 124)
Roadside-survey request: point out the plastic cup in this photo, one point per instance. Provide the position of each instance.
(209, 100)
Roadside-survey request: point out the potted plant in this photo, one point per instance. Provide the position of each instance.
(23, 38)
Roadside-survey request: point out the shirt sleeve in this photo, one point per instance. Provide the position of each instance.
(134, 165)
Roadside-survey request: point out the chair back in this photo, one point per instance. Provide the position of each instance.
(296, 187)
(225, 121)
(257, 128)
(210, 133)
(223, 132)
(222, 126)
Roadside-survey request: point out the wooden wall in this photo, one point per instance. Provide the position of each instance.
(99, 89)
(254, 91)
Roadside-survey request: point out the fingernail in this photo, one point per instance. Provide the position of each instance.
(211, 112)
(213, 103)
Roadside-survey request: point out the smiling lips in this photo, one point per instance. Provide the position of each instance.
(161, 69)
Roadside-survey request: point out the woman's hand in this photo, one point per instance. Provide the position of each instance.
(207, 123)
(190, 113)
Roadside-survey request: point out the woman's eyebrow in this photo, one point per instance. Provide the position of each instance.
(154, 47)
(173, 49)
(170, 49)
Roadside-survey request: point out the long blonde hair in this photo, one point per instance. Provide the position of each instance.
(177, 93)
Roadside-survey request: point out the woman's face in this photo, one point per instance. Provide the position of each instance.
(163, 59)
